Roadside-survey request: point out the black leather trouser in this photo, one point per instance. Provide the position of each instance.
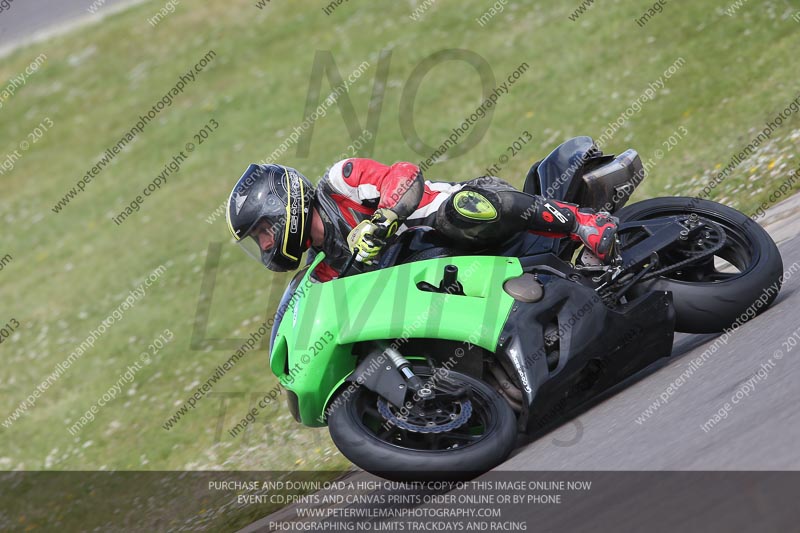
(488, 211)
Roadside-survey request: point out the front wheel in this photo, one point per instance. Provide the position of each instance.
(740, 280)
(447, 438)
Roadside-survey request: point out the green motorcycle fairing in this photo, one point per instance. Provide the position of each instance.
(312, 351)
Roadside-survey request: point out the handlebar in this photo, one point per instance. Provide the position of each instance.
(348, 265)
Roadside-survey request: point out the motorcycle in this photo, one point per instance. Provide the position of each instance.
(480, 348)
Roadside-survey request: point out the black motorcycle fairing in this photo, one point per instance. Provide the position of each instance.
(418, 239)
(531, 184)
(570, 342)
(528, 244)
(553, 176)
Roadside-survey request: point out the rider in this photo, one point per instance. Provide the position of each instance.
(359, 203)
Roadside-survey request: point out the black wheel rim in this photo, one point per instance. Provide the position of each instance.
(738, 250)
(479, 425)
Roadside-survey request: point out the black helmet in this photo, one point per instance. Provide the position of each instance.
(272, 201)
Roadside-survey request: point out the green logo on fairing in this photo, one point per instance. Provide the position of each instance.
(474, 205)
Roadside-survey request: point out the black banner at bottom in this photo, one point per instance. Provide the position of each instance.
(356, 501)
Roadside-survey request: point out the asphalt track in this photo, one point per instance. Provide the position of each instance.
(760, 430)
(26, 21)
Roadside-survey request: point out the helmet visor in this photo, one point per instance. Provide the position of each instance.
(262, 240)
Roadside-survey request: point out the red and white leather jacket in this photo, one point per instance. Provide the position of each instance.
(353, 189)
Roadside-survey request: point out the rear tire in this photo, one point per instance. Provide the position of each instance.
(710, 306)
(356, 433)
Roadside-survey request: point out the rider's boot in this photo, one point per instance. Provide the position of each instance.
(597, 230)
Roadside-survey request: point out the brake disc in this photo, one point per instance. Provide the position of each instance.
(455, 422)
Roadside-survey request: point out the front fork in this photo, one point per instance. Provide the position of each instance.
(386, 372)
(413, 382)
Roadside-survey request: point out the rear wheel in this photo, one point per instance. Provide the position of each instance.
(440, 439)
(740, 279)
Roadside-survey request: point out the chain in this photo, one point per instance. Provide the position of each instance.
(694, 258)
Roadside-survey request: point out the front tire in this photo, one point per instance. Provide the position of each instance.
(707, 300)
(359, 430)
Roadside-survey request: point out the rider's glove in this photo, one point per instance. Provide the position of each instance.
(369, 236)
